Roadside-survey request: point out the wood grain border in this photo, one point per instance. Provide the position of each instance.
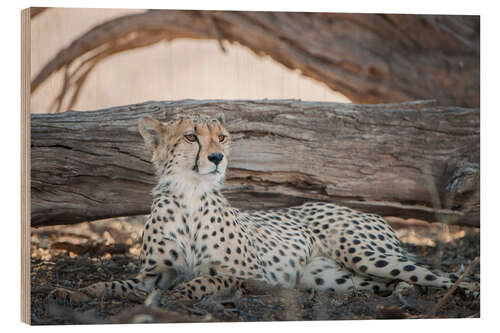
(25, 164)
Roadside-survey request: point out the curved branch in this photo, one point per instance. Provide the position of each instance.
(168, 22)
(368, 58)
(77, 77)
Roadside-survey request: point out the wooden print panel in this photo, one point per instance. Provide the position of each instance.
(273, 75)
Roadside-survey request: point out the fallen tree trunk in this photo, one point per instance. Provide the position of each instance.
(370, 58)
(410, 160)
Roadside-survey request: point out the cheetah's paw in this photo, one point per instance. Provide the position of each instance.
(63, 296)
(471, 289)
(403, 288)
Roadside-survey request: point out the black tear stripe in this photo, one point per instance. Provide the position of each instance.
(195, 168)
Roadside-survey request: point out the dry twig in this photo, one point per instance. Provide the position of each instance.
(453, 288)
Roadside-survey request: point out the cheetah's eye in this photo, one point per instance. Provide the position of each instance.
(190, 137)
(222, 138)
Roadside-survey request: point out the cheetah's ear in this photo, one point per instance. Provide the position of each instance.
(221, 118)
(151, 131)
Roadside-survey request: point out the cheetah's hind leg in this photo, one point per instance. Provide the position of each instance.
(396, 266)
(370, 247)
(324, 273)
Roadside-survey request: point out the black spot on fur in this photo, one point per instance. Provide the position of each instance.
(395, 272)
(381, 263)
(409, 268)
(430, 277)
(174, 254)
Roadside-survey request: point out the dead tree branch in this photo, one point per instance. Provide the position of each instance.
(369, 58)
(378, 158)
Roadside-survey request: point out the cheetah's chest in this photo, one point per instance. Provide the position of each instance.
(206, 239)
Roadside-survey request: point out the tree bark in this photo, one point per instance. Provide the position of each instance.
(415, 159)
(370, 58)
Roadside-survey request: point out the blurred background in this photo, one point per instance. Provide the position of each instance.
(180, 69)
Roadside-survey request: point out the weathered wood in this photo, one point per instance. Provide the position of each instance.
(409, 160)
(370, 58)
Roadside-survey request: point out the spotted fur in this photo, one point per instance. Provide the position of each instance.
(195, 243)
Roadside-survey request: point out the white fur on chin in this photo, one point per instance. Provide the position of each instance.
(190, 183)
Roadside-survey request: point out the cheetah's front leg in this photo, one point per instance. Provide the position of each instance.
(134, 289)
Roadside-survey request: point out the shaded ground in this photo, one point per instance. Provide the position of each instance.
(76, 256)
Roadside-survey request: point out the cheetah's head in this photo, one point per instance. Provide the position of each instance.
(189, 150)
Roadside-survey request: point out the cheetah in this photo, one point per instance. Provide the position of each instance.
(195, 244)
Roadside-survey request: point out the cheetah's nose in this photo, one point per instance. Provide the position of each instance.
(215, 158)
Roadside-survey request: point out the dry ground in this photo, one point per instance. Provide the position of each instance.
(76, 256)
